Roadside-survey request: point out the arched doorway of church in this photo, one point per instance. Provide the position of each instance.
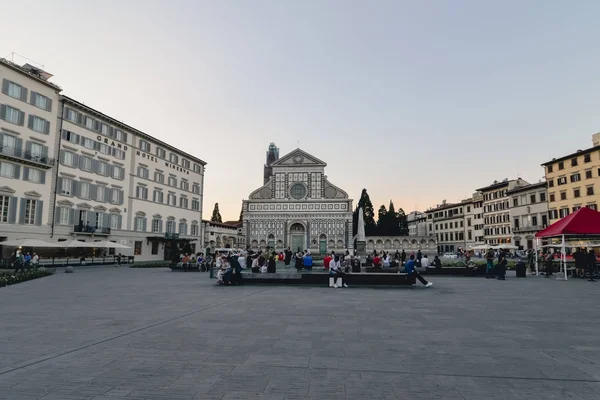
(297, 236)
(323, 244)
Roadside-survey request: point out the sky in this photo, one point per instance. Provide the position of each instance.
(417, 102)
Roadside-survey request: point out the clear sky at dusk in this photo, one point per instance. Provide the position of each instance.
(415, 101)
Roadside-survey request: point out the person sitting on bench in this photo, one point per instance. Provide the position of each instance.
(410, 270)
(335, 269)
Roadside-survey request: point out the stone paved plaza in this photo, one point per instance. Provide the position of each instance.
(118, 333)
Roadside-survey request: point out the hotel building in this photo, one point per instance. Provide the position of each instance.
(28, 129)
(573, 182)
(115, 182)
(68, 171)
(448, 224)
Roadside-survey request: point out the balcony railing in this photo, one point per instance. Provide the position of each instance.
(26, 155)
(92, 230)
(529, 228)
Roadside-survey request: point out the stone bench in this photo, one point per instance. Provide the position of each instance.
(322, 279)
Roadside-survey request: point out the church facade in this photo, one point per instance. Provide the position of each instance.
(298, 208)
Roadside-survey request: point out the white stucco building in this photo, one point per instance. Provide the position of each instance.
(117, 183)
(28, 131)
(298, 208)
(528, 213)
(229, 234)
(417, 223)
(68, 171)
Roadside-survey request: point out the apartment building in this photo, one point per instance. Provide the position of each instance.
(417, 224)
(496, 211)
(28, 130)
(573, 182)
(117, 183)
(528, 213)
(473, 208)
(448, 224)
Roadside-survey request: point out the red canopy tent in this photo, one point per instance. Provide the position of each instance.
(583, 222)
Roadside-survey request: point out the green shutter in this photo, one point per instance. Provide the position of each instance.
(22, 211)
(2, 111)
(39, 209)
(71, 216)
(30, 121)
(57, 215)
(49, 105)
(43, 177)
(32, 97)
(12, 210)
(17, 171)
(47, 127)
(25, 173)
(5, 86)
(21, 118)
(93, 191)
(23, 94)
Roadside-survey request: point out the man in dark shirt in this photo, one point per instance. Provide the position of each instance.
(410, 270)
(490, 264)
(591, 264)
(580, 258)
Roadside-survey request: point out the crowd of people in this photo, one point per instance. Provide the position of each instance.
(22, 261)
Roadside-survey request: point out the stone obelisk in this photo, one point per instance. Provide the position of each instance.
(361, 239)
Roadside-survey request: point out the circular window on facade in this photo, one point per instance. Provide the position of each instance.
(298, 191)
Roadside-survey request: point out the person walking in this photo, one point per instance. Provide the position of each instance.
(591, 264)
(19, 263)
(549, 259)
(490, 264)
(502, 262)
(580, 258)
(411, 271)
(335, 269)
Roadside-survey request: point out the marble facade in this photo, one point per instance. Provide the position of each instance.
(298, 208)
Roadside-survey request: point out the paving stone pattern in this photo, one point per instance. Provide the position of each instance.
(132, 334)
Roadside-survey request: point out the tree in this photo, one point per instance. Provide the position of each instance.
(382, 221)
(216, 215)
(369, 214)
(392, 221)
(402, 223)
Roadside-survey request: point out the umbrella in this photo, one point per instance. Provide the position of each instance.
(29, 243)
(77, 244)
(105, 244)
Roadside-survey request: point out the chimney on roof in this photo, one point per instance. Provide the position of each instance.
(596, 139)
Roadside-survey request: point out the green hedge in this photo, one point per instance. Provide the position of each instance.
(151, 264)
(8, 278)
(453, 262)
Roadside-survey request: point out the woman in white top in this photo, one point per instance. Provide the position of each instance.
(386, 261)
(335, 269)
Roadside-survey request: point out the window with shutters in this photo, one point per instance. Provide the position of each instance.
(160, 153)
(141, 192)
(195, 205)
(89, 123)
(197, 168)
(172, 181)
(183, 202)
(103, 129)
(196, 188)
(588, 174)
(144, 146)
(173, 158)
(34, 175)
(119, 135)
(101, 193)
(120, 154)
(589, 190)
(118, 172)
(156, 225)
(170, 227)
(63, 216)
(158, 196)
(87, 142)
(185, 185)
(84, 190)
(102, 168)
(10, 146)
(564, 212)
(575, 177)
(69, 158)
(182, 228)
(185, 163)
(70, 136)
(36, 150)
(194, 231)
(41, 101)
(14, 90)
(30, 208)
(85, 163)
(172, 199)
(139, 223)
(592, 206)
(159, 177)
(143, 172)
(8, 170)
(13, 115)
(39, 125)
(72, 115)
(4, 207)
(115, 221)
(105, 149)
(114, 196)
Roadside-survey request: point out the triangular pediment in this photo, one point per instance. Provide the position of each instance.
(32, 193)
(84, 206)
(115, 210)
(6, 189)
(100, 208)
(65, 203)
(299, 157)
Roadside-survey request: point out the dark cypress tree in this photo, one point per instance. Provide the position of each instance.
(382, 227)
(216, 215)
(402, 223)
(392, 221)
(369, 214)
